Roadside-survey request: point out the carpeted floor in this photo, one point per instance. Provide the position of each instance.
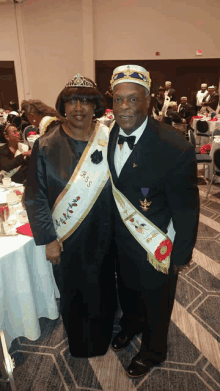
(193, 362)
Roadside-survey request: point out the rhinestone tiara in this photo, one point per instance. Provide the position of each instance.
(80, 81)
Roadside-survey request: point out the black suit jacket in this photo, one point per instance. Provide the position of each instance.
(213, 102)
(165, 163)
(186, 111)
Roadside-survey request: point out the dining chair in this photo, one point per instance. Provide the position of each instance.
(201, 158)
(6, 363)
(202, 130)
(216, 132)
(216, 172)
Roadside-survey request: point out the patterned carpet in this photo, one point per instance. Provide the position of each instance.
(193, 361)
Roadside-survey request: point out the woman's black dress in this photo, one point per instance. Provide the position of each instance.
(85, 276)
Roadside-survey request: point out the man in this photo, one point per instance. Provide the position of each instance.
(172, 114)
(211, 101)
(169, 91)
(200, 95)
(154, 180)
(185, 110)
(158, 109)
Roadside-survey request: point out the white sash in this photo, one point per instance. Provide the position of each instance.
(84, 186)
(157, 244)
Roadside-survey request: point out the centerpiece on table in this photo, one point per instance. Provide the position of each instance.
(205, 148)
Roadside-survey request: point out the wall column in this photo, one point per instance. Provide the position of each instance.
(88, 44)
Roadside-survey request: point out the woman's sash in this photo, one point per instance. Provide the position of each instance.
(86, 183)
(157, 244)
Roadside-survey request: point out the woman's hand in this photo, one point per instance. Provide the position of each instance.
(53, 252)
(27, 153)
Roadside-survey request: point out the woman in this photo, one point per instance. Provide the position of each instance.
(13, 163)
(68, 200)
(39, 115)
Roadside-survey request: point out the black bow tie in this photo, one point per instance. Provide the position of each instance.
(130, 140)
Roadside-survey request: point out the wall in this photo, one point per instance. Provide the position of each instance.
(53, 38)
(9, 47)
(126, 29)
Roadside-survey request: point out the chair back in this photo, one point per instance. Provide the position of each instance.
(216, 158)
(29, 128)
(216, 132)
(192, 139)
(202, 127)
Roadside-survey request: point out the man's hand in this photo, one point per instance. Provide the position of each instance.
(178, 269)
(183, 121)
(53, 252)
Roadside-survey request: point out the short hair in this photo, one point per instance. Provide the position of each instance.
(92, 94)
(37, 107)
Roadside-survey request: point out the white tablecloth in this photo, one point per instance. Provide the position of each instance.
(209, 170)
(27, 287)
(212, 124)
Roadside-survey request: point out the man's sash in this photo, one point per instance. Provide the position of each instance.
(157, 244)
(86, 183)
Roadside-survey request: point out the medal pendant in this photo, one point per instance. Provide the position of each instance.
(145, 205)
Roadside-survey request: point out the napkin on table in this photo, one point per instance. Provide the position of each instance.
(25, 230)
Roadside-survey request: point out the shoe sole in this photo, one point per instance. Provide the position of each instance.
(136, 377)
(117, 350)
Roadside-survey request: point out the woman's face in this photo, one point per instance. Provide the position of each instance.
(34, 119)
(12, 134)
(79, 113)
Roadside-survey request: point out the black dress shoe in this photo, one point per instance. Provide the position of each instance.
(138, 368)
(121, 341)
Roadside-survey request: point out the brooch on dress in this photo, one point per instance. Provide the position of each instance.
(96, 157)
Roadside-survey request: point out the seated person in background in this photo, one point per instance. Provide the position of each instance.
(39, 115)
(185, 110)
(210, 102)
(13, 107)
(13, 163)
(172, 114)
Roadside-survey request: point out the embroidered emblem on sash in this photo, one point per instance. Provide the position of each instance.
(102, 143)
(145, 204)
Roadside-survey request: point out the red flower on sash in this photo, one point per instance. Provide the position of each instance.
(163, 250)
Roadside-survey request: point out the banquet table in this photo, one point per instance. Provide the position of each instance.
(212, 126)
(27, 287)
(209, 170)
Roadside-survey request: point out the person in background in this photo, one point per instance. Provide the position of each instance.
(14, 107)
(169, 91)
(154, 180)
(39, 115)
(109, 98)
(201, 94)
(68, 199)
(13, 163)
(159, 104)
(172, 114)
(210, 103)
(185, 110)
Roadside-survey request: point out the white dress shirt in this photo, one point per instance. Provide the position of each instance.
(122, 155)
(199, 97)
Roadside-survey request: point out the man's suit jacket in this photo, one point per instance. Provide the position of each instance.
(186, 111)
(213, 101)
(165, 163)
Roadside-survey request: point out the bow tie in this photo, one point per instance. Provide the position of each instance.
(130, 140)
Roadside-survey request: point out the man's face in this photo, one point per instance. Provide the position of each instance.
(203, 89)
(211, 91)
(183, 102)
(167, 86)
(130, 106)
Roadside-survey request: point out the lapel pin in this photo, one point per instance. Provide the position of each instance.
(134, 165)
(145, 204)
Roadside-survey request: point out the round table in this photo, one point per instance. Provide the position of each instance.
(27, 287)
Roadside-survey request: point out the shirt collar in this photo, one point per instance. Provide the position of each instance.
(137, 133)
